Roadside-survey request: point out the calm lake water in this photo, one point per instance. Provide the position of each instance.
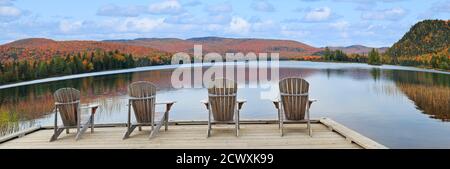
(396, 106)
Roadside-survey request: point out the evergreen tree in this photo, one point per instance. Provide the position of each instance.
(42, 71)
(374, 57)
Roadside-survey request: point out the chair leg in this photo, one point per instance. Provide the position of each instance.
(67, 131)
(84, 127)
(309, 123)
(236, 124)
(153, 121)
(208, 133)
(129, 131)
(237, 131)
(56, 134)
(55, 128)
(78, 121)
(166, 121)
(157, 128)
(281, 123)
(92, 123)
(309, 129)
(140, 128)
(79, 134)
(239, 119)
(154, 132)
(153, 124)
(130, 127)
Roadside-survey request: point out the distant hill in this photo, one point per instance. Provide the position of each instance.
(358, 49)
(424, 38)
(286, 48)
(40, 48)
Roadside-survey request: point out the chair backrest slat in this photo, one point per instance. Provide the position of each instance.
(294, 97)
(67, 101)
(222, 99)
(143, 99)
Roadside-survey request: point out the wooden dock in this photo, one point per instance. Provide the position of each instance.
(186, 135)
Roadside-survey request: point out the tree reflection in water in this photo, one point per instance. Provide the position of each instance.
(429, 91)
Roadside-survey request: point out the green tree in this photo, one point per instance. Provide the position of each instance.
(78, 65)
(129, 61)
(327, 54)
(339, 55)
(374, 57)
(42, 71)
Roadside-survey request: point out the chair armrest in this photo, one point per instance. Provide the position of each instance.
(93, 107)
(276, 103)
(167, 103)
(241, 100)
(89, 106)
(311, 101)
(240, 103)
(205, 102)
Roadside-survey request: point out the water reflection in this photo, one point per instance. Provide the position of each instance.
(368, 94)
(429, 91)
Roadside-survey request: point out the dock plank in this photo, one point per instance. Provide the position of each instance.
(351, 135)
(253, 136)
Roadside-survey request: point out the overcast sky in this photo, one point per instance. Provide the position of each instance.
(316, 22)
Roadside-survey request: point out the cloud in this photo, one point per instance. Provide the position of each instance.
(441, 7)
(437, 8)
(132, 24)
(239, 25)
(120, 11)
(294, 32)
(6, 2)
(189, 18)
(9, 11)
(111, 26)
(66, 26)
(262, 6)
(392, 14)
(318, 14)
(192, 3)
(367, 1)
(265, 26)
(166, 7)
(340, 25)
(299, 9)
(217, 19)
(183, 18)
(224, 7)
(364, 5)
(143, 24)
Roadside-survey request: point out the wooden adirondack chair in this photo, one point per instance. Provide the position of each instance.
(222, 104)
(143, 100)
(293, 103)
(67, 103)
